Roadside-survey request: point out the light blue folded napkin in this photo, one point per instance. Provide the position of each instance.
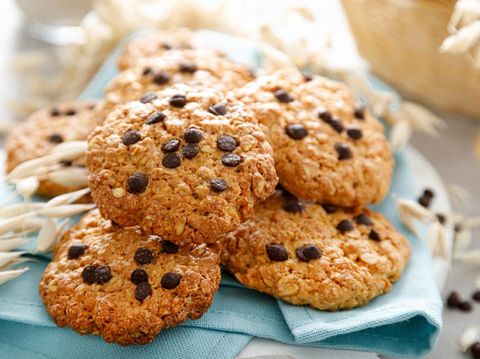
(404, 322)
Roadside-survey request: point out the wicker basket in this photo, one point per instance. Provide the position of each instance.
(400, 39)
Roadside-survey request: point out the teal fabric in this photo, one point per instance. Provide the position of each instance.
(404, 322)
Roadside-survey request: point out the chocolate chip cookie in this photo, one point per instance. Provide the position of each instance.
(321, 256)
(327, 148)
(125, 285)
(185, 163)
(43, 130)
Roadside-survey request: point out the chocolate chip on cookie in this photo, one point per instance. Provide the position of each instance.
(171, 145)
(71, 112)
(88, 274)
(226, 143)
(148, 97)
(294, 205)
(169, 247)
(138, 276)
(190, 150)
(329, 208)
(55, 138)
(54, 112)
(171, 160)
(308, 252)
(296, 131)
(137, 183)
(131, 137)
(231, 160)
(147, 71)
(156, 117)
(178, 101)
(374, 235)
(277, 252)
(143, 256)
(102, 274)
(359, 112)
(344, 152)
(161, 78)
(76, 250)
(336, 124)
(193, 135)
(170, 280)
(218, 110)
(355, 133)
(362, 218)
(283, 96)
(188, 67)
(142, 291)
(345, 226)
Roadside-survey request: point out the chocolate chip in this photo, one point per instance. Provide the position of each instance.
(359, 113)
(170, 280)
(283, 96)
(475, 350)
(55, 138)
(148, 97)
(190, 150)
(325, 115)
(161, 78)
(218, 185)
(329, 208)
(171, 145)
(76, 250)
(344, 152)
(193, 135)
(226, 143)
(277, 252)
(166, 46)
(426, 198)
(147, 71)
(231, 160)
(169, 247)
(296, 131)
(54, 112)
(362, 218)
(442, 219)
(66, 163)
(138, 276)
(88, 274)
(293, 206)
(336, 124)
(131, 137)
(308, 253)
(476, 296)
(103, 274)
(142, 291)
(453, 300)
(71, 112)
(156, 117)
(143, 256)
(373, 235)
(345, 226)
(465, 306)
(354, 133)
(218, 110)
(137, 183)
(171, 160)
(188, 67)
(178, 101)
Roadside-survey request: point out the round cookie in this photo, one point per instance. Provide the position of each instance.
(43, 130)
(155, 44)
(192, 67)
(185, 163)
(124, 285)
(324, 257)
(326, 148)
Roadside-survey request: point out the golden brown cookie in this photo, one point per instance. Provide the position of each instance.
(185, 163)
(43, 130)
(324, 257)
(124, 285)
(192, 67)
(155, 44)
(326, 148)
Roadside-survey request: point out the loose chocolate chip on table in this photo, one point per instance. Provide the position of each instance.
(142, 291)
(373, 235)
(465, 306)
(296, 131)
(103, 274)
(190, 150)
(71, 112)
(336, 124)
(231, 160)
(156, 117)
(55, 138)
(277, 252)
(324, 115)
(226, 143)
(218, 185)
(143, 256)
(88, 274)
(76, 250)
(169, 247)
(171, 145)
(188, 67)
(441, 218)
(293, 206)
(362, 218)
(218, 110)
(354, 133)
(178, 101)
(131, 137)
(170, 280)
(476, 296)
(453, 300)
(308, 253)
(138, 276)
(426, 198)
(344, 152)
(147, 71)
(283, 96)
(359, 113)
(137, 183)
(54, 112)
(329, 208)
(161, 78)
(193, 135)
(171, 160)
(475, 350)
(148, 97)
(345, 226)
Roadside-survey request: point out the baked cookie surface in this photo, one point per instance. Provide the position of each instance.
(326, 148)
(43, 130)
(185, 163)
(324, 257)
(124, 285)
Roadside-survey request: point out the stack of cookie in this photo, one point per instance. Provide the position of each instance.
(184, 169)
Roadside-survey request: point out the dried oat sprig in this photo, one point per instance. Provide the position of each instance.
(8, 275)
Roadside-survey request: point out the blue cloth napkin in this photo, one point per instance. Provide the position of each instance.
(404, 322)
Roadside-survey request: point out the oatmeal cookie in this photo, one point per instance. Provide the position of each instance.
(321, 256)
(185, 163)
(125, 285)
(43, 130)
(327, 149)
